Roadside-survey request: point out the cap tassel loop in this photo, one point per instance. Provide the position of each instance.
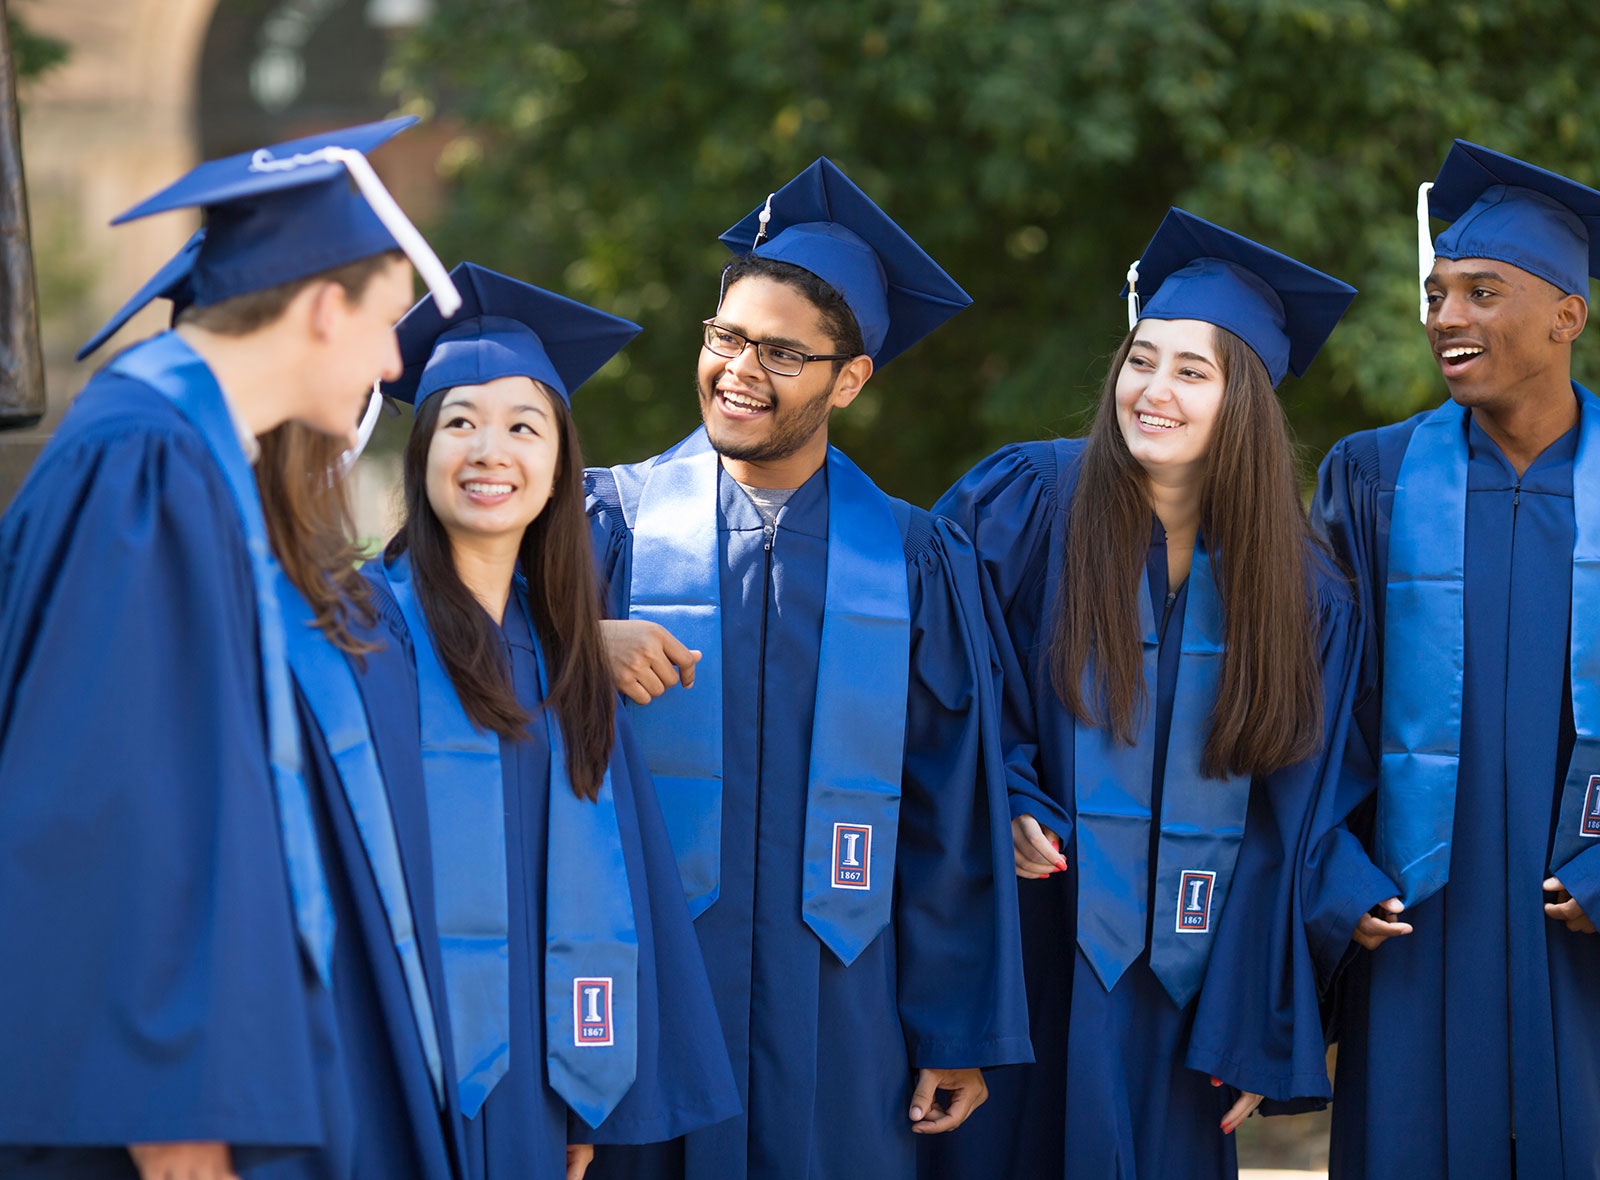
(762, 220)
(1424, 247)
(369, 423)
(1133, 294)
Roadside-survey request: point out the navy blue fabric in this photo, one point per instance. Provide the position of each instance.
(1484, 1020)
(823, 1053)
(1121, 1088)
(683, 1080)
(147, 946)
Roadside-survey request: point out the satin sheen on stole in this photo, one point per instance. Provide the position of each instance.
(466, 825)
(170, 366)
(863, 670)
(1424, 654)
(1202, 819)
(589, 929)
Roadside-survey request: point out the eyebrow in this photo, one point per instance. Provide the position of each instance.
(1473, 275)
(540, 410)
(1182, 356)
(781, 341)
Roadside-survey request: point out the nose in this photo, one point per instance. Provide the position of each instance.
(1448, 313)
(1159, 388)
(392, 368)
(486, 450)
(745, 366)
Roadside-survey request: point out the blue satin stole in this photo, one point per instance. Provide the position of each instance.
(289, 640)
(1202, 819)
(863, 671)
(591, 946)
(1424, 644)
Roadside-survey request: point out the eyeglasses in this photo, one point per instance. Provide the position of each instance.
(774, 358)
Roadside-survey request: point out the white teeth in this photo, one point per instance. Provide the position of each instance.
(739, 402)
(1451, 354)
(487, 489)
(1161, 423)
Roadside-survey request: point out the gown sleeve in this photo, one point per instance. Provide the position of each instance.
(961, 996)
(1340, 880)
(1257, 1023)
(684, 1079)
(1008, 506)
(149, 967)
(610, 538)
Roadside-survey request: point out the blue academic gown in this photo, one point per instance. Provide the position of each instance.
(683, 1080)
(1121, 1086)
(1484, 1022)
(149, 967)
(823, 1054)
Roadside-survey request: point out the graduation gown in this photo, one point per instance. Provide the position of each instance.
(1120, 1088)
(149, 970)
(683, 1080)
(1482, 1024)
(823, 1054)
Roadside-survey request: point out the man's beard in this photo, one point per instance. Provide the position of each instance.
(790, 430)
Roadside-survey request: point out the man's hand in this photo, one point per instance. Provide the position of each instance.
(579, 1157)
(646, 659)
(1372, 931)
(966, 1092)
(1239, 1111)
(1035, 848)
(1565, 909)
(182, 1161)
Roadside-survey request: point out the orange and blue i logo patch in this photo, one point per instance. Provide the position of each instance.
(591, 1011)
(1591, 808)
(852, 856)
(1194, 901)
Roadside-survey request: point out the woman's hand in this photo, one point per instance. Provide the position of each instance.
(1036, 848)
(646, 659)
(182, 1161)
(1373, 931)
(579, 1157)
(1239, 1111)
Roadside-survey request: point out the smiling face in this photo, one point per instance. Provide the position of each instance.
(1169, 391)
(493, 458)
(1498, 331)
(756, 417)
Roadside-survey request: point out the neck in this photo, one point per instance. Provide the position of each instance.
(485, 566)
(788, 472)
(1176, 501)
(1523, 426)
(255, 371)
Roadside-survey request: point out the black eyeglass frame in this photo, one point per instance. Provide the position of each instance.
(806, 358)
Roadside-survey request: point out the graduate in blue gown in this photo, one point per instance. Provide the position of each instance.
(1160, 809)
(829, 766)
(216, 954)
(1469, 1029)
(552, 862)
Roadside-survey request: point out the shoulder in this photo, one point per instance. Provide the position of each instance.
(1330, 585)
(391, 623)
(1372, 457)
(612, 493)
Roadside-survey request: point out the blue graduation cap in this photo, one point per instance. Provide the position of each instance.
(285, 212)
(503, 328)
(1504, 209)
(172, 281)
(822, 222)
(1283, 309)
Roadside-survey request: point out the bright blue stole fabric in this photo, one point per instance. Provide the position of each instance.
(167, 364)
(591, 952)
(466, 826)
(1202, 819)
(289, 639)
(858, 736)
(1425, 660)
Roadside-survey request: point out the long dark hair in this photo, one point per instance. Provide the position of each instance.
(1268, 712)
(563, 602)
(311, 528)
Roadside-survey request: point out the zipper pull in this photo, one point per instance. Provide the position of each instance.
(767, 531)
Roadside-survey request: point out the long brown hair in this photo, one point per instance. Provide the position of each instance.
(1268, 712)
(311, 528)
(563, 602)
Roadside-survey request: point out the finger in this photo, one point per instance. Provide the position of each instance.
(680, 655)
(1377, 926)
(922, 1096)
(933, 1124)
(650, 682)
(1216, 1081)
(1551, 884)
(1237, 1113)
(1394, 905)
(1045, 853)
(962, 1103)
(1028, 839)
(635, 692)
(1027, 870)
(1564, 911)
(686, 671)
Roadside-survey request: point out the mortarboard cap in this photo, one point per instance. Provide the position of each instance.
(820, 221)
(1504, 209)
(1283, 309)
(172, 281)
(503, 328)
(289, 211)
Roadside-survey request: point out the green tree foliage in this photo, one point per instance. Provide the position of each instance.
(32, 52)
(1030, 145)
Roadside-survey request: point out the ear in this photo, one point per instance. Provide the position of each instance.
(326, 306)
(851, 378)
(1572, 313)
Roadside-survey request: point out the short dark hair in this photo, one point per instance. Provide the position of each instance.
(242, 314)
(838, 321)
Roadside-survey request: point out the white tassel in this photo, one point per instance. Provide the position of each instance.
(761, 221)
(369, 423)
(1133, 293)
(394, 219)
(1424, 247)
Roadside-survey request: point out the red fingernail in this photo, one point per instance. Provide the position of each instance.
(1062, 865)
(1216, 1081)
